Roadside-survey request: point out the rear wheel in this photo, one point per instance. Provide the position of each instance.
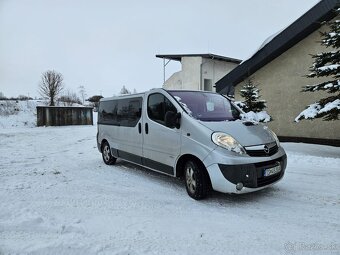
(196, 180)
(107, 155)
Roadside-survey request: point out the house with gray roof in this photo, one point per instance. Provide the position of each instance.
(279, 67)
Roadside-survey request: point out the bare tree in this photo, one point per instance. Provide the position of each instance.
(51, 85)
(69, 98)
(83, 94)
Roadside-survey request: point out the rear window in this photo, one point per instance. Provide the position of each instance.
(120, 112)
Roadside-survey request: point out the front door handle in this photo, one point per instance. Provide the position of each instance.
(139, 127)
(146, 128)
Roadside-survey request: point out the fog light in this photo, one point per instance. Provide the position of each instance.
(239, 186)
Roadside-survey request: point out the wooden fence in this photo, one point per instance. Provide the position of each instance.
(62, 116)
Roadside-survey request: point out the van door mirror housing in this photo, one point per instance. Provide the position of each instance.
(172, 119)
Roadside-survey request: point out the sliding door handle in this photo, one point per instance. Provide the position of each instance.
(139, 127)
(146, 128)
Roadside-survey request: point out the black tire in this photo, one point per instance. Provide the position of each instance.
(196, 180)
(106, 154)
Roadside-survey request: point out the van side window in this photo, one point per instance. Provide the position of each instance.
(129, 111)
(120, 112)
(107, 113)
(158, 105)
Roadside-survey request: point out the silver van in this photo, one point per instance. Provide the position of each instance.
(198, 135)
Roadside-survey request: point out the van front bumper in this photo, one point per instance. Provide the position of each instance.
(250, 176)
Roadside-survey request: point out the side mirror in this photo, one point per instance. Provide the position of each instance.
(172, 119)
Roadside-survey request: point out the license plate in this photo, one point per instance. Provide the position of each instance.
(272, 170)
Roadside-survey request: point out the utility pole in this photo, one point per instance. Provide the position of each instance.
(164, 65)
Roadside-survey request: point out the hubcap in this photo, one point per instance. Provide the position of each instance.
(190, 179)
(106, 153)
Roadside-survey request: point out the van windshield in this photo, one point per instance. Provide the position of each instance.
(206, 106)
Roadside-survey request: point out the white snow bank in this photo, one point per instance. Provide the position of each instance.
(309, 113)
(18, 113)
(262, 116)
(330, 106)
(328, 67)
(329, 85)
(315, 109)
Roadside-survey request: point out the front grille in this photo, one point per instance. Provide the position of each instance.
(260, 150)
(252, 175)
(266, 180)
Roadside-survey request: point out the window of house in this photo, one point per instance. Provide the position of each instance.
(207, 84)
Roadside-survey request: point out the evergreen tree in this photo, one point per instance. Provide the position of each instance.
(326, 64)
(251, 96)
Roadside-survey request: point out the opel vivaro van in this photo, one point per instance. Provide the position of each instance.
(198, 135)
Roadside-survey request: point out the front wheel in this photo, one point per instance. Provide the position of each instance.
(196, 180)
(107, 155)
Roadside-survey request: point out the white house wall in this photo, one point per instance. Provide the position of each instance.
(174, 82)
(191, 68)
(188, 78)
(195, 70)
(215, 70)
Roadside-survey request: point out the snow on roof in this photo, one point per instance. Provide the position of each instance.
(264, 43)
(178, 57)
(280, 42)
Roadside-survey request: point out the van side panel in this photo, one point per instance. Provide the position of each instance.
(118, 123)
(128, 142)
(193, 142)
(162, 144)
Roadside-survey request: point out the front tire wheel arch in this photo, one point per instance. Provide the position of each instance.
(108, 158)
(196, 177)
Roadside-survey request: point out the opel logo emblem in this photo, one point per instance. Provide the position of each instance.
(266, 149)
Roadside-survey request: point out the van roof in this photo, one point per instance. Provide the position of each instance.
(188, 90)
(155, 89)
(122, 96)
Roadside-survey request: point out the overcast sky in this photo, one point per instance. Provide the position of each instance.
(104, 45)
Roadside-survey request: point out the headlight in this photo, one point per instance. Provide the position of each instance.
(228, 142)
(275, 137)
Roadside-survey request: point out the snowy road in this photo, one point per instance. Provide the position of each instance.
(58, 197)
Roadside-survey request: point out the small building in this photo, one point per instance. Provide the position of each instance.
(199, 71)
(280, 67)
(64, 115)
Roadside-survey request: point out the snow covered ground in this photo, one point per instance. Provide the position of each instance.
(58, 197)
(19, 113)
